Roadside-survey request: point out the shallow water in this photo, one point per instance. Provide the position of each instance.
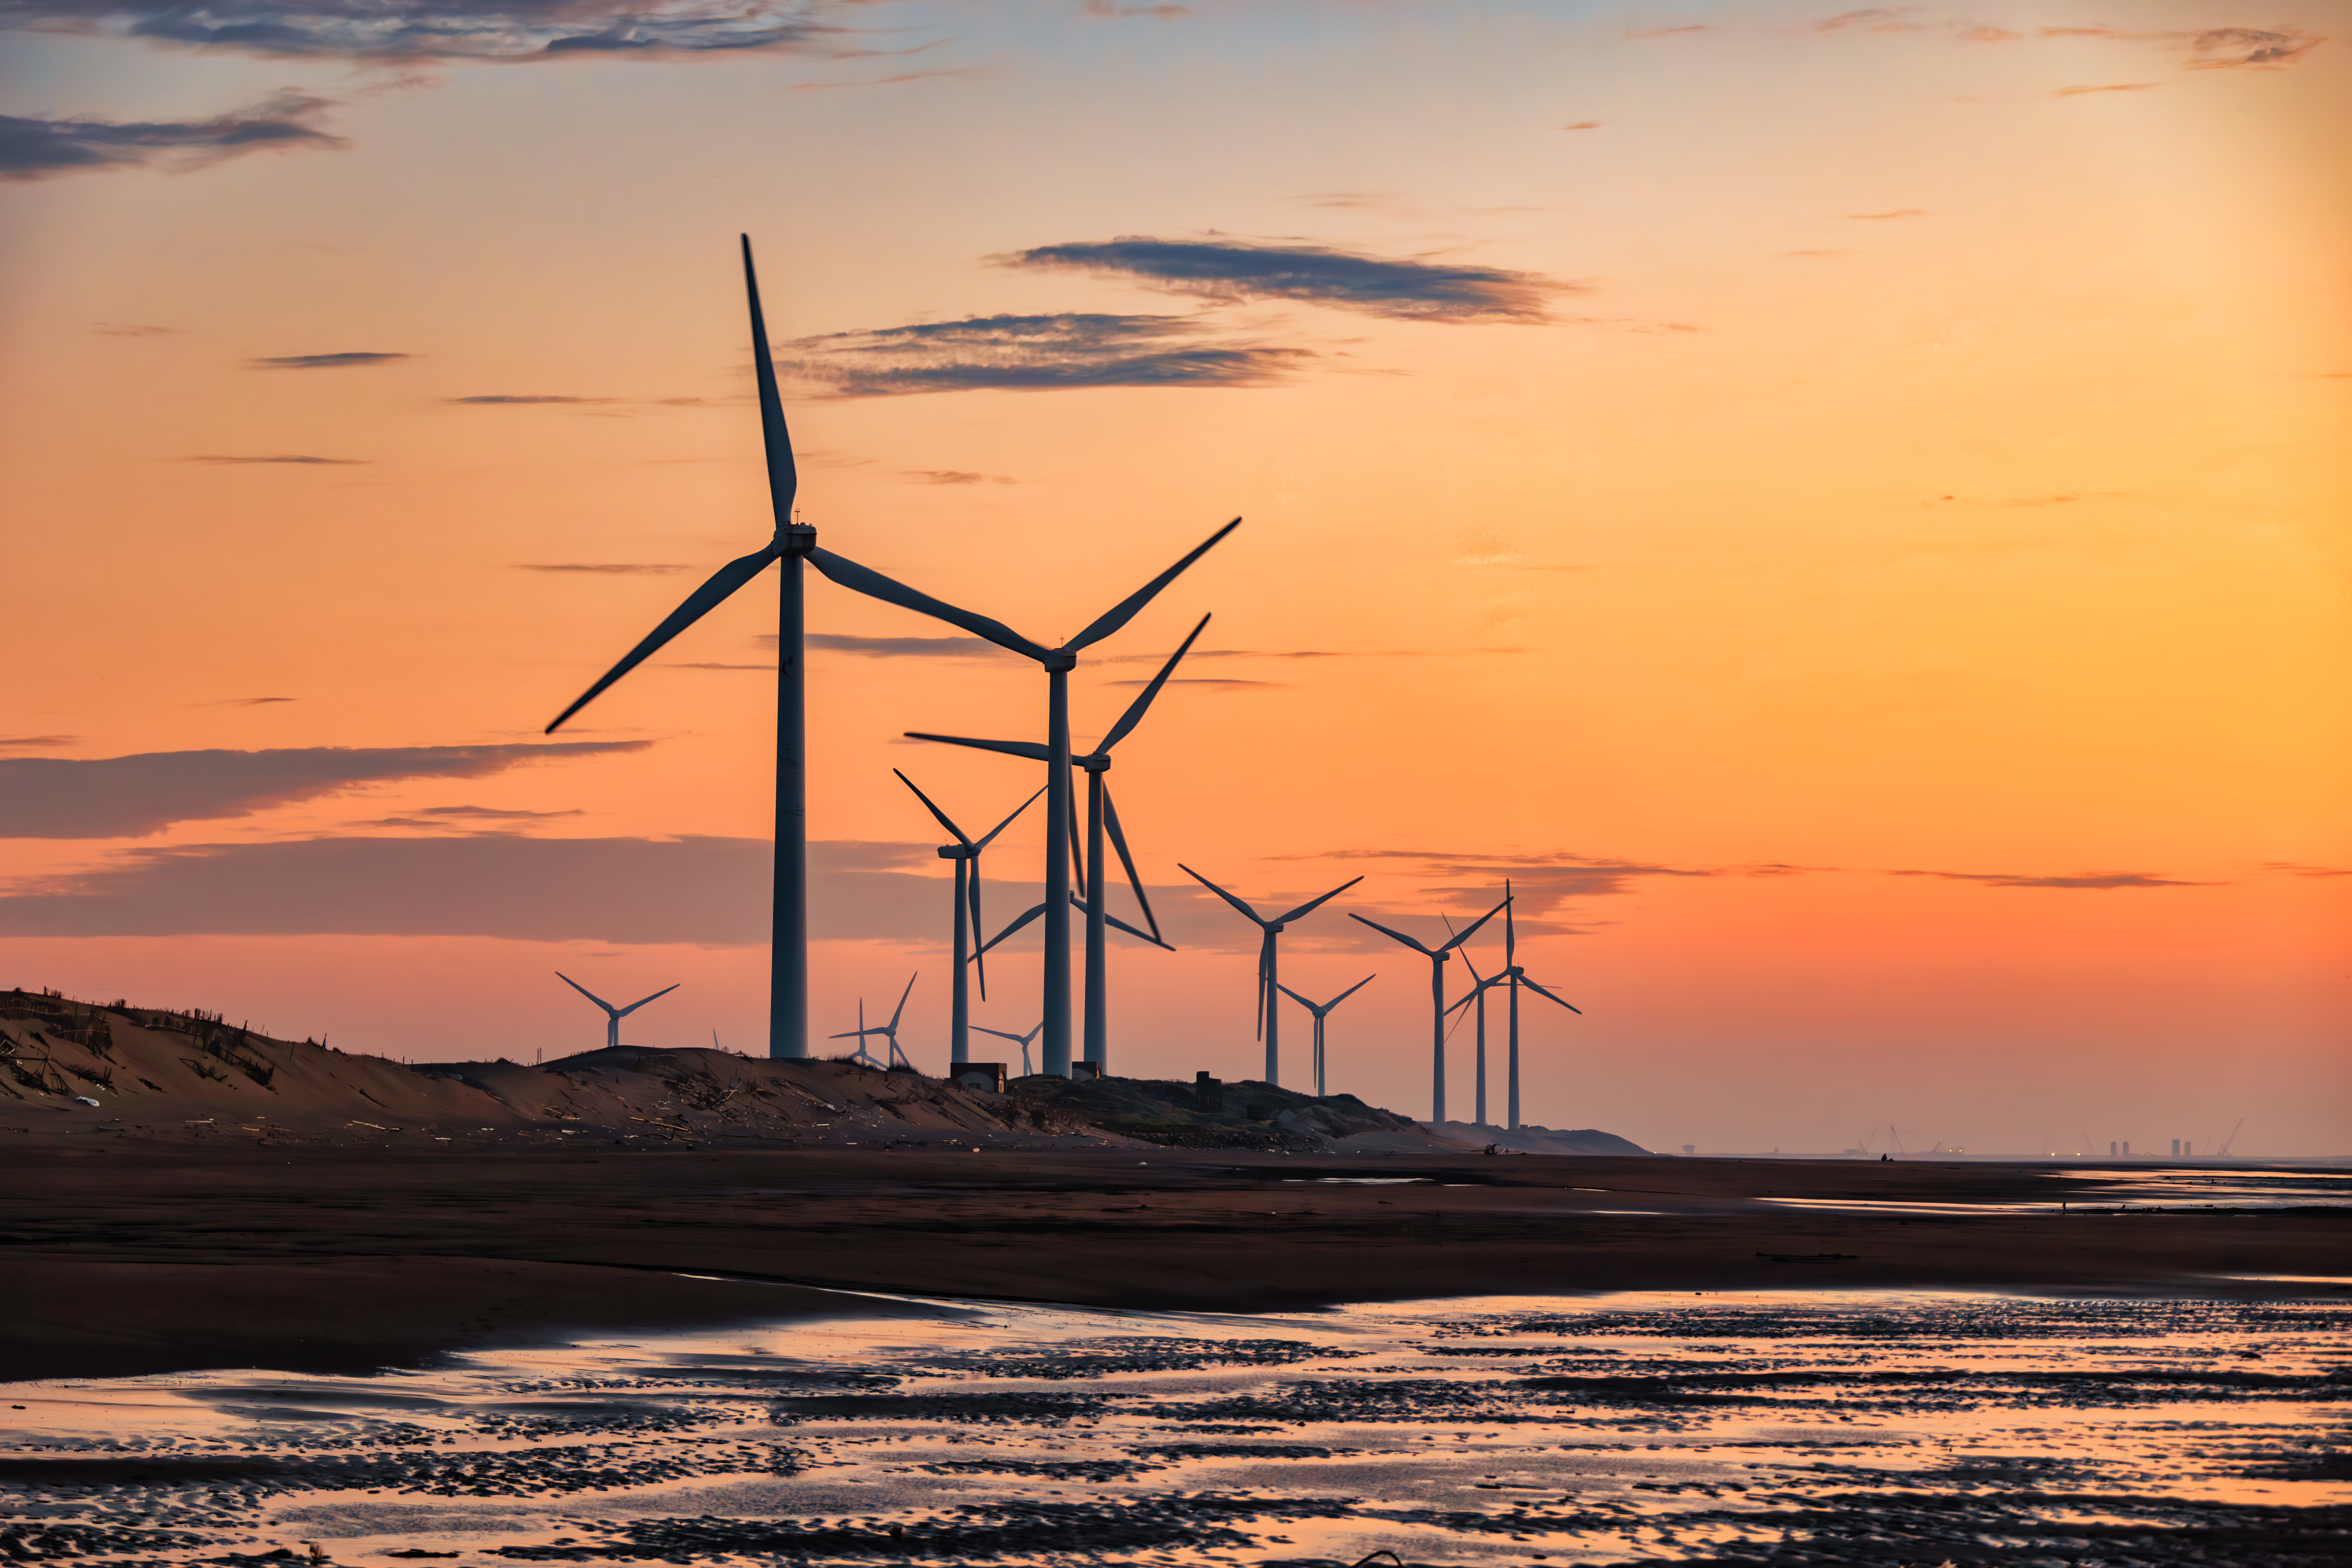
(1848, 1427)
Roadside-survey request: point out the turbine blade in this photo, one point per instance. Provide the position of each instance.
(1294, 995)
(783, 479)
(1245, 909)
(1472, 930)
(1265, 976)
(1397, 934)
(1541, 991)
(699, 603)
(971, 900)
(945, 821)
(1118, 842)
(1029, 748)
(990, 836)
(1510, 928)
(1350, 991)
(643, 999)
(873, 585)
(1118, 924)
(1473, 965)
(998, 1032)
(1135, 710)
(1008, 931)
(901, 1007)
(1313, 904)
(1125, 611)
(585, 992)
(1077, 853)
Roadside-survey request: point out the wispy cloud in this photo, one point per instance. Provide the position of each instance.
(1233, 269)
(2234, 48)
(2110, 87)
(897, 647)
(27, 743)
(133, 330)
(477, 818)
(1116, 9)
(347, 358)
(1201, 653)
(1876, 19)
(2291, 869)
(2098, 882)
(1037, 353)
(287, 457)
(506, 399)
(1583, 125)
(243, 701)
(36, 149)
(604, 568)
(131, 796)
(1685, 30)
(418, 31)
(954, 477)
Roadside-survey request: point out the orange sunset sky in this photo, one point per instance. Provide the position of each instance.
(1848, 510)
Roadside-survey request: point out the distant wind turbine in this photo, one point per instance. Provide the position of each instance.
(1475, 998)
(1321, 1011)
(794, 543)
(965, 852)
(1517, 978)
(1022, 1040)
(1102, 817)
(1058, 662)
(1269, 1021)
(1437, 957)
(889, 1031)
(612, 1016)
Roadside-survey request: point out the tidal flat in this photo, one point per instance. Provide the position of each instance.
(1862, 1426)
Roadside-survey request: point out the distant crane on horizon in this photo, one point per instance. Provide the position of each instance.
(612, 1016)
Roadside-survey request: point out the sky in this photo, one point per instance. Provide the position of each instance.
(1846, 509)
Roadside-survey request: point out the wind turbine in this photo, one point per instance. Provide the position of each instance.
(1477, 995)
(1437, 957)
(1321, 1011)
(1102, 817)
(794, 543)
(1022, 1040)
(612, 1016)
(889, 1031)
(1269, 1022)
(1058, 662)
(965, 853)
(1517, 978)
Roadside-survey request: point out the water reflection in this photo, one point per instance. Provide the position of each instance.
(1852, 1427)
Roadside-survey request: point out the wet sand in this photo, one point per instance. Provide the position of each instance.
(127, 1258)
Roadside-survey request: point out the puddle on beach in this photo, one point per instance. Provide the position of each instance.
(1847, 1427)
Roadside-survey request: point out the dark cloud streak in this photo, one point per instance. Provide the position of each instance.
(1230, 270)
(36, 149)
(132, 796)
(1037, 353)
